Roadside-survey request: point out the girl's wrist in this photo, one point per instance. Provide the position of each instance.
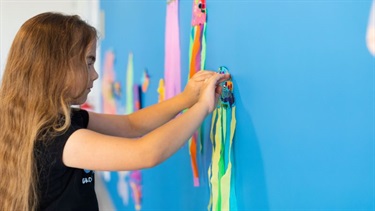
(187, 100)
(203, 106)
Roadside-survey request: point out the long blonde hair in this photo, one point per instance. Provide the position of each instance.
(45, 72)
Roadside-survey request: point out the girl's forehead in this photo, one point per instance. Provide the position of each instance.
(92, 46)
(92, 49)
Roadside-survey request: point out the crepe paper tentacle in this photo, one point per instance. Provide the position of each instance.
(133, 103)
(135, 184)
(145, 80)
(193, 154)
(221, 176)
(109, 102)
(129, 85)
(172, 64)
(197, 57)
(161, 90)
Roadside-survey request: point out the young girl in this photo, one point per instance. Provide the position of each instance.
(48, 150)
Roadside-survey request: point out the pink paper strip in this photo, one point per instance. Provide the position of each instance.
(109, 103)
(172, 64)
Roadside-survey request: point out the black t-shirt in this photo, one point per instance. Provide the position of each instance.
(62, 187)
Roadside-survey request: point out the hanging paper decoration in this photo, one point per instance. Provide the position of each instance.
(197, 48)
(370, 36)
(161, 91)
(116, 90)
(172, 66)
(197, 58)
(220, 174)
(135, 177)
(129, 86)
(109, 103)
(123, 176)
(137, 97)
(135, 184)
(145, 80)
(123, 186)
(131, 179)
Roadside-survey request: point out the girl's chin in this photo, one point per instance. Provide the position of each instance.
(80, 101)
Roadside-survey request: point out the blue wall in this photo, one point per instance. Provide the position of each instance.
(304, 85)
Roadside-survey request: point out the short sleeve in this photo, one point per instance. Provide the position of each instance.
(50, 152)
(80, 117)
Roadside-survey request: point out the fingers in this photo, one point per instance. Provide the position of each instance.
(225, 78)
(211, 89)
(202, 75)
(217, 78)
(218, 90)
(205, 74)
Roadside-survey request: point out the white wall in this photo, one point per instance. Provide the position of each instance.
(14, 13)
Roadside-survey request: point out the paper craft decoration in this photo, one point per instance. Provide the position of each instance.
(199, 12)
(135, 184)
(172, 66)
(198, 37)
(220, 174)
(109, 103)
(137, 97)
(129, 85)
(197, 58)
(370, 36)
(135, 179)
(128, 182)
(123, 186)
(116, 90)
(110, 92)
(161, 90)
(145, 80)
(131, 180)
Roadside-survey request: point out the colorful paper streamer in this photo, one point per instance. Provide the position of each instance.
(161, 90)
(197, 59)
(172, 63)
(129, 85)
(145, 80)
(220, 174)
(131, 179)
(108, 103)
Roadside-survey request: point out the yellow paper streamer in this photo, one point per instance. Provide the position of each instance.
(220, 175)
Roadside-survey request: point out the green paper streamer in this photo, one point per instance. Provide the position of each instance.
(129, 86)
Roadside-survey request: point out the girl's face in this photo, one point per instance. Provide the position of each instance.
(93, 75)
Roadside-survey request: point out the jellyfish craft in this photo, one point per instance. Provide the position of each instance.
(220, 174)
(197, 57)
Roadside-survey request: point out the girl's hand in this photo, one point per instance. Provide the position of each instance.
(211, 90)
(194, 86)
